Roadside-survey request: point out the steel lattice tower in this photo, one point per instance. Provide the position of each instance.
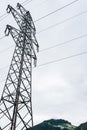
(16, 99)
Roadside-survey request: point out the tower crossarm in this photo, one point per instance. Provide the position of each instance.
(26, 14)
(15, 14)
(24, 17)
(18, 36)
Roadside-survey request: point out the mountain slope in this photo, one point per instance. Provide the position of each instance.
(82, 127)
(58, 124)
(54, 125)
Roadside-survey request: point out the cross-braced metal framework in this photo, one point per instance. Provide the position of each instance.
(16, 99)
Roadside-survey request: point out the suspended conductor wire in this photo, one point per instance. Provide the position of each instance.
(65, 42)
(63, 21)
(56, 11)
(24, 3)
(66, 20)
(59, 23)
(56, 45)
(62, 59)
(58, 60)
(3, 16)
(2, 37)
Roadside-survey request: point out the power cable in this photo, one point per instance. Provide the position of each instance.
(62, 59)
(49, 27)
(26, 2)
(58, 60)
(3, 16)
(2, 37)
(56, 45)
(65, 42)
(56, 11)
(6, 15)
(63, 21)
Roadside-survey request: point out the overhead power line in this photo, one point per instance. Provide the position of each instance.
(49, 27)
(65, 42)
(50, 12)
(56, 11)
(62, 59)
(54, 61)
(3, 16)
(63, 21)
(2, 37)
(26, 2)
(56, 45)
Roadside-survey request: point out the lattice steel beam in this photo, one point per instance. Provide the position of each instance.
(16, 99)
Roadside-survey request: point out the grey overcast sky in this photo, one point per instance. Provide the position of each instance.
(59, 88)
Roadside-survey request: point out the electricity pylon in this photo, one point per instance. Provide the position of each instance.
(16, 100)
